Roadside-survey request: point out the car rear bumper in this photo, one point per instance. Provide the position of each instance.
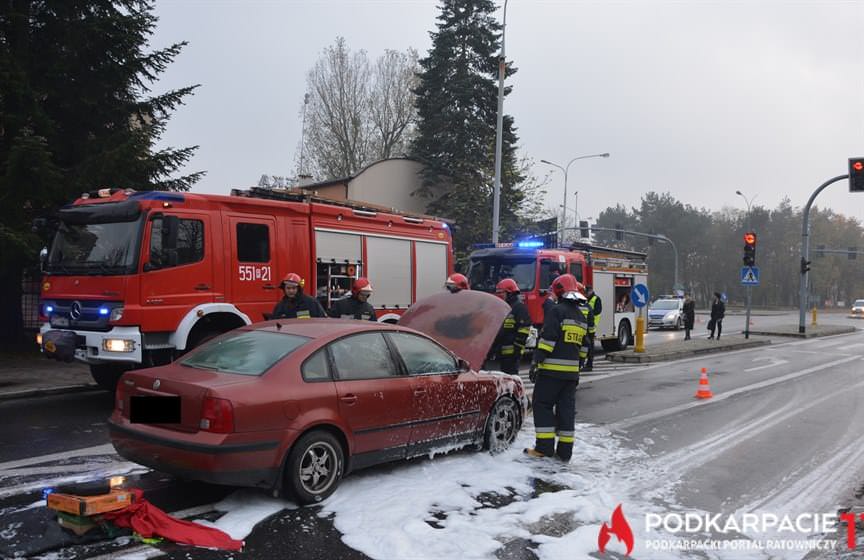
(251, 463)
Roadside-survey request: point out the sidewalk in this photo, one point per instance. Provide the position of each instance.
(31, 375)
(684, 348)
(677, 349)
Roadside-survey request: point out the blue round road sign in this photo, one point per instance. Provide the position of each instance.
(639, 295)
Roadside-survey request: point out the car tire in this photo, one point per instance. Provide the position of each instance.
(502, 425)
(107, 375)
(678, 324)
(314, 467)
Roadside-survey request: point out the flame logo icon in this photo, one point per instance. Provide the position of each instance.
(620, 528)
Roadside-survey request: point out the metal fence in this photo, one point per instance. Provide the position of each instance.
(30, 286)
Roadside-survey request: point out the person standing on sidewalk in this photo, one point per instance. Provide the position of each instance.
(689, 315)
(718, 311)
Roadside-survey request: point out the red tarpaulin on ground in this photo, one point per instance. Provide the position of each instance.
(149, 521)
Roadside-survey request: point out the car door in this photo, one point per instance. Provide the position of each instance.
(376, 400)
(446, 398)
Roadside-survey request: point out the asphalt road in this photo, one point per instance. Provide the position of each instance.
(781, 432)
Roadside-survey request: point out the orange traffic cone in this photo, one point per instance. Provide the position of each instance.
(704, 391)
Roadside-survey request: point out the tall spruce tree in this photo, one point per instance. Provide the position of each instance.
(457, 105)
(76, 113)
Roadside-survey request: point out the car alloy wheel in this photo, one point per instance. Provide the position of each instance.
(502, 425)
(314, 467)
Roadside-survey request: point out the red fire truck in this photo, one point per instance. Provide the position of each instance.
(612, 273)
(136, 278)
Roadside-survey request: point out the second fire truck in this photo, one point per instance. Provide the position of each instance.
(611, 272)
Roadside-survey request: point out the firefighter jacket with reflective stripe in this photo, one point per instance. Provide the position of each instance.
(596, 305)
(590, 318)
(353, 308)
(563, 340)
(514, 332)
(301, 307)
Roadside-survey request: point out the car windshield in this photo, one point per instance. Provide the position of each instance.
(484, 274)
(244, 352)
(109, 248)
(665, 304)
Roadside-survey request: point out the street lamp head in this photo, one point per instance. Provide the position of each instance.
(605, 155)
(739, 193)
(544, 161)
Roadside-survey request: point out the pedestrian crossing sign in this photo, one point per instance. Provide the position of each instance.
(749, 275)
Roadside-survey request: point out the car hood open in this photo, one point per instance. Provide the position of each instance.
(466, 322)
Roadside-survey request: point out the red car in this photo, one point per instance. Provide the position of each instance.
(293, 405)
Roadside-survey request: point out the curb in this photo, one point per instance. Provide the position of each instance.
(46, 391)
(810, 334)
(632, 358)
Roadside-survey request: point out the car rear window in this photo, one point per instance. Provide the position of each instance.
(244, 352)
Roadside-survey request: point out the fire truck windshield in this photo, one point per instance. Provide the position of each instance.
(109, 248)
(485, 273)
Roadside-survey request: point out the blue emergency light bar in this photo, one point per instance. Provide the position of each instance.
(529, 244)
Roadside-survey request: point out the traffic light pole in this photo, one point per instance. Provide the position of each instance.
(805, 253)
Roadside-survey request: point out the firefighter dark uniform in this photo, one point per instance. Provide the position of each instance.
(556, 374)
(512, 337)
(295, 304)
(356, 306)
(301, 307)
(596, 305)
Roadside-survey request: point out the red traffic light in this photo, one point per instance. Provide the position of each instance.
(858, 166)
(750, 238)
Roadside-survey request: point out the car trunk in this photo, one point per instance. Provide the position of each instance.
(188, 383)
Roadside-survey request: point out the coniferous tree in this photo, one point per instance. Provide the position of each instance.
(457, 105)
(76, 113)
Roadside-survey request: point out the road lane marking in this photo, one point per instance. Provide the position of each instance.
(634, 420)
(774, 362)
(104, 449)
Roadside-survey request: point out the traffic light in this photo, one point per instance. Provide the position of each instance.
(583, 229)
(805, 266)
(856, 174)
(750, 248)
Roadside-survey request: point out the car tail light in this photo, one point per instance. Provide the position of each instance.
(217, 415)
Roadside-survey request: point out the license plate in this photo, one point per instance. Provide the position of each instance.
(59, 322)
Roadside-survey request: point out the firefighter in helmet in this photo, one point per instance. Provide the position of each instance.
(456, 283)
(295, 304)
(596, 305)
(511, 339)
(587, 312)
(357, 306)
(555, 371)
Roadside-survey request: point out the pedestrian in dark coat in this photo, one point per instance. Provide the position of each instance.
(718, 311)
(689, 315)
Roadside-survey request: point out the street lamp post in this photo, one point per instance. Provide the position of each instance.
(749, 229)
(565, 170)
(499, 132)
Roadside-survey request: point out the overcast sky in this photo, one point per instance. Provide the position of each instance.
(696, 98)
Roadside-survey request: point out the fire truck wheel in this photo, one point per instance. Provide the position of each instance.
(107, 375)
(200, 338)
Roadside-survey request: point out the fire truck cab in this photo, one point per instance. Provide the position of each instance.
(135, 278)
(611, 272)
